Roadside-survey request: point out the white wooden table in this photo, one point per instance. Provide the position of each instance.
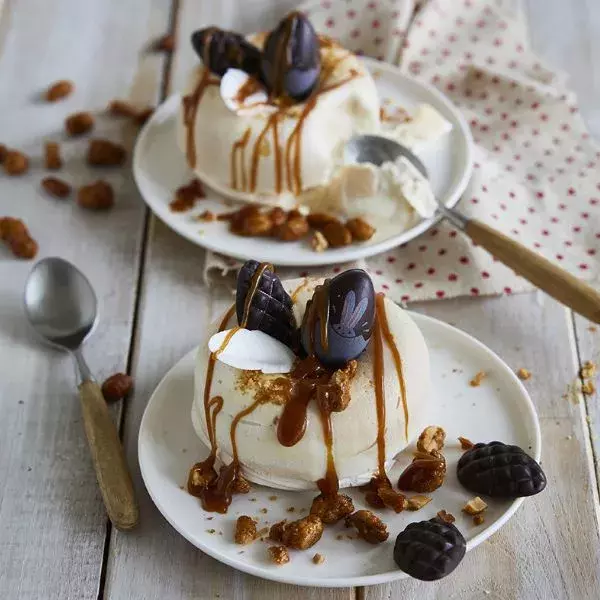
(55, 541)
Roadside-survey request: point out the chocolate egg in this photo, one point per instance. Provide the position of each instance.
(269, 307)
(338, 321)
(291, 61)
(221, 50)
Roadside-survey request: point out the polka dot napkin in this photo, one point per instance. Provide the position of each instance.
(535, 176)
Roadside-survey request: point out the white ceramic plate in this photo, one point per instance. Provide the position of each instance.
(499, 409)
(159, 169)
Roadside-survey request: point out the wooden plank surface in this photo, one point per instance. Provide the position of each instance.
(53, 524)
(53, 531)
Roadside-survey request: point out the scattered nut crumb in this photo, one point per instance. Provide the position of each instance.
(276, 531)
(588, 370)
(478, 519)
(96, 196)
(303, 533)
(263, 511)
(166, 43)
(369, 526)
(432, 439)
(446, 516)
(211, 531)
(59, 90)
(417, 502)
(279, 555)
(104, 153)
(318, 559)
(360, 230)
(56, 187)
(273, 498)
(117, 386)
(245, 530)
(239, 485)
(123, 108)
(3, 151)
(318, 242)
(206, 216)
(474, 506)
(15, 163)
(523, 374)
(331, 509)
(16, 235)
(588, 387)
(465, 443)
(591, 328)
(318, 220)
(291, 509)
(79, 123)
(337, 235)
(52, 156)
(479, 377)
(339, 536)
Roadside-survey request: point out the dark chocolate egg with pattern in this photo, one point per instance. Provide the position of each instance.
(339, 318)
(291, 61)
(262, 303)
(501, 471)
(221, 50)
(429, 550)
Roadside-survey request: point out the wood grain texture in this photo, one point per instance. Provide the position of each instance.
(53, 520)
(551, 548)
(108, 458)
(545, 275)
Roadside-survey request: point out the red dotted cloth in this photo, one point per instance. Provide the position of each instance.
(536, 173)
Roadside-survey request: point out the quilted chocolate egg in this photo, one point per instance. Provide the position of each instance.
(262, 303)
(338, 321)
(291, 60)
(221, 50)
(429, 550)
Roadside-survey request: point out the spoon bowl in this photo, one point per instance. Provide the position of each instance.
(60, 303)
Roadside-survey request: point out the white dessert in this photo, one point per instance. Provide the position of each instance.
(281, 151)
(265, 461)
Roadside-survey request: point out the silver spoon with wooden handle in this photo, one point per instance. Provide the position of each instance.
(61, 306)
(547, 276)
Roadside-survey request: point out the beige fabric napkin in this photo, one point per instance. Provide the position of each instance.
(535, 175)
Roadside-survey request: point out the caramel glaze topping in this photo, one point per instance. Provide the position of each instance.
(287, 153)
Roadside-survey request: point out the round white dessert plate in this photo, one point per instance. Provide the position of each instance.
(499, 409)
(159, 168)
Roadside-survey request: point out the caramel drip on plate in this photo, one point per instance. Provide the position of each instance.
(378, 372)
(239, 150)
(389, 339)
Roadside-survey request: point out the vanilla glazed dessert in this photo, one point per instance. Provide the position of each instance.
(344, 384)
(319, 384)
(266, 120)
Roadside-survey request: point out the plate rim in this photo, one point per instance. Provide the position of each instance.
(363, 580)
(332, 256)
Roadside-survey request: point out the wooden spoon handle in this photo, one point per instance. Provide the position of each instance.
(547, 276)
(108, 457)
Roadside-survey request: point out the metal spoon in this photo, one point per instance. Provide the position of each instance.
(556, 282)
(61, 306)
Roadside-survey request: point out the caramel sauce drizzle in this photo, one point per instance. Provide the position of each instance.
(216, 497)
(329, 485)
(389, 338)
(298, 290)
(378, 372)
(239, 149)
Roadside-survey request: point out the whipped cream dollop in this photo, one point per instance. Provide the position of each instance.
(264, 460)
